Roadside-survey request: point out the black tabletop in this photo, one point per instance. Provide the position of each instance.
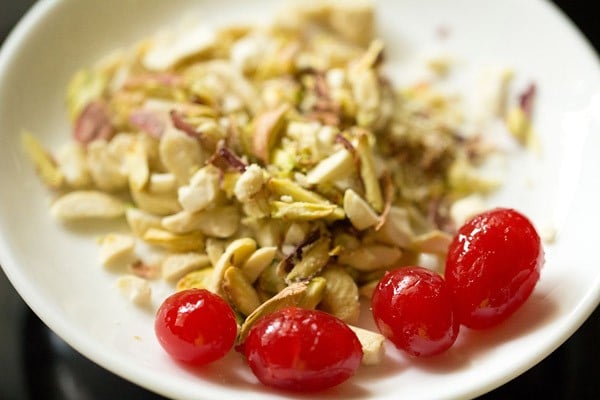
(36, 364)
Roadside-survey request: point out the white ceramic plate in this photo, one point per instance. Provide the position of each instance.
(56, 271)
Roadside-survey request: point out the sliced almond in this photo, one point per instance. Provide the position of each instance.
(358, 211)
(257, 262)
(176, 265)
(140, 221)
(162, 183)
(156, 203)
(193, 241)
(71, 159)
(219, 222)
(86, 204)
(372, 345)
(137, 165)
(337, 166)
(199, 279)
(43, 161)
(435, 242)
(136, 289)
(180, 154)
(107, 169)
(368, 258)
(116, 249)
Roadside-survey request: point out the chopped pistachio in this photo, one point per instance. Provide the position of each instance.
(314, 257)
(302, 211)
(241, 293)
(340, 297)
(368, 174)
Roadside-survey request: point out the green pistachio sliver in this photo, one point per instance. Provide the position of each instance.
(235, 254)
(368, 174)
(271, 280)
(302, 211)
(286, 187)
(290, 296)
(240, 291)
(341, 294)
(314, 293)
(313, 260)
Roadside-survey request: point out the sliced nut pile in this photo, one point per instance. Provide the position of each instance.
(273, 165)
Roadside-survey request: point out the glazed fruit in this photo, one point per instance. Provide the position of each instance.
(412, 307)
(302, 350)
(195, 326)
(492, 267)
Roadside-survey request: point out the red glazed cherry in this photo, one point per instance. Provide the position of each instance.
(412, 307)
(302, 350)
(493, 264)
(195, 326)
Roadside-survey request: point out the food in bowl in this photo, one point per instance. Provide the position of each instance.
(273, 165)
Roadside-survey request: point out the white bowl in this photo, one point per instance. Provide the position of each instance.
(56, 271)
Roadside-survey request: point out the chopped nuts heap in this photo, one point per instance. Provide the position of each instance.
(272, 165)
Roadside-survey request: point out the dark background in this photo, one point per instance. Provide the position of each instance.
(36, 364)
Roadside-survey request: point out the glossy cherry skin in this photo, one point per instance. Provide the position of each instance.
(195, 326)
(493, 265)
(302, 350)
(412, 307)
